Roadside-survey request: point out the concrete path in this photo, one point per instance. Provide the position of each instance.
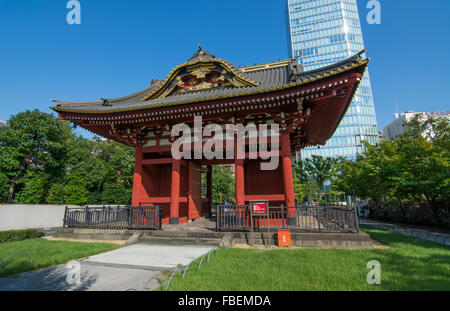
(92, 278)
(150, 257)
(440, 238)
(135, 267)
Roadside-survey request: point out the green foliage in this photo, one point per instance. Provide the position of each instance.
(4, 186)
(310, 176)
(312, 191)
(75, 191)
(42, 161)
(34, 141)
(56, 194)
(19, 235)
(298, 188)
(33, 190)
(223, 184)
(116, 194)
(410, 175)
(104, 164)
(319, 170)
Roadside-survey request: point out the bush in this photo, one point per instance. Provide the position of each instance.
(19, 235)
(116, 194)
(75, 191)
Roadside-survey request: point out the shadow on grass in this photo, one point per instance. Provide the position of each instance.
(402, 272)
(392, 238)
(412, 263)
(46, 279)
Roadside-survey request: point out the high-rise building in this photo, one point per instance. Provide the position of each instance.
(397, 127)
(324, 32)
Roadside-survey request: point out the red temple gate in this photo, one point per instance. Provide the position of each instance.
(307, 107)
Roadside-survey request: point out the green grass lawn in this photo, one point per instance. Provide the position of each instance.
(410, 264)
(46, 253)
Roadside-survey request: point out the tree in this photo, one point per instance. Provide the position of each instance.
(56, 194)
(34, 141)
(223, 184)
(424, 159)
(34, 188)
(75, 191)
(4, 186)
(298, 188)
(409, 173)
(304, 186)
(42, 161)
(116, 194)
(319, 170)
(103, 164)
(363, 177)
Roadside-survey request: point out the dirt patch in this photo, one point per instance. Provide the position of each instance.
(263, 247)
(119, 242)
(379, 245)
(376, 245)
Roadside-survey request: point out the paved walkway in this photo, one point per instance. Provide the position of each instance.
(149, 257)
(135, 267)
(424, 234)
(92, 278)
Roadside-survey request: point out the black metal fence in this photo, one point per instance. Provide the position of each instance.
(306, 217)
(113, 217)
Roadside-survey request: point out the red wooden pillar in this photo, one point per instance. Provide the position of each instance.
(239, 171)
(175, 193)
(287, 177)
(209, 187)
(137, 179)
(195, 190)
(239, 182)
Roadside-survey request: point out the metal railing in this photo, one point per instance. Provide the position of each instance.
(232, 218)
(117, 217)
(306, 217)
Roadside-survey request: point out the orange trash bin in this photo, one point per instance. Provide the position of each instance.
(284, 238)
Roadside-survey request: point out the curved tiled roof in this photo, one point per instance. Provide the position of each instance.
(260, 79)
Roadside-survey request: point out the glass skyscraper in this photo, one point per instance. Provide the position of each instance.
(325, 32)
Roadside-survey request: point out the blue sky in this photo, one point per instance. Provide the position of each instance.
(121, 45)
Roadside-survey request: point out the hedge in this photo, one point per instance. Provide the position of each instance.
(19, 235)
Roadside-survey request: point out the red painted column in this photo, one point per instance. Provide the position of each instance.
(209, 187)
(175, 193)
(239, 176)
(287, 177)
(137, 178)
(239, 172)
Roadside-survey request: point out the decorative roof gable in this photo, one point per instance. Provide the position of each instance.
(203, 71)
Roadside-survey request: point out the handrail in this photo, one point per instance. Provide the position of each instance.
(306, 217)
(114, 217)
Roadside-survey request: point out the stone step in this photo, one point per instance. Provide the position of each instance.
(160, 240)
(184, 234)
(92, 234)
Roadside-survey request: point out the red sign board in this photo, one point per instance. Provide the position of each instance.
(259, 207)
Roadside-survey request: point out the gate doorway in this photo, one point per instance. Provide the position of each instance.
(218, 187)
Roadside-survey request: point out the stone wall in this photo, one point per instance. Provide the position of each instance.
(21, 216)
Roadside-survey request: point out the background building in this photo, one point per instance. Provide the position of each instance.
(3, 124)
(325, 32)
(397, 127)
